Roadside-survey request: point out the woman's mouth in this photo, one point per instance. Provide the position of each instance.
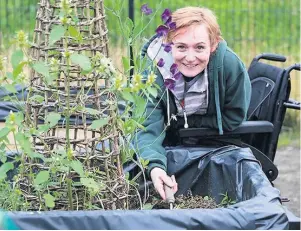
(190, 65)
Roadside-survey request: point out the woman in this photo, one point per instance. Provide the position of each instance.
(203, 82)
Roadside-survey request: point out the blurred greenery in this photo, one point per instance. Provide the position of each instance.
(16, 15)
(249, 26)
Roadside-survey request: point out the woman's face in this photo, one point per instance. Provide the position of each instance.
(191, 49)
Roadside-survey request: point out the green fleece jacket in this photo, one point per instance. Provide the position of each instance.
(229, 98)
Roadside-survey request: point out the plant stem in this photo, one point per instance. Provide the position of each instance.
(67, 88)
(69, 185)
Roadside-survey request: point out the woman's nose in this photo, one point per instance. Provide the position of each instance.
(190, 56)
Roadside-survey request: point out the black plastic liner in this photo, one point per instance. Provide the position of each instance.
(204, 171)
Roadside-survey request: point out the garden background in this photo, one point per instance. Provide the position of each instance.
(250, 27)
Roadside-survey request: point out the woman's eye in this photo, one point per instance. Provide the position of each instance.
(200, 47)
(181, 47)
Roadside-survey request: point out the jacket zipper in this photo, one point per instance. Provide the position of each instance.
(182, 103)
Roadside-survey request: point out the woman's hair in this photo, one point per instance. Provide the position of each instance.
(188, 16)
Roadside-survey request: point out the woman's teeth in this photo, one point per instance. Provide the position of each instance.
(190, 65)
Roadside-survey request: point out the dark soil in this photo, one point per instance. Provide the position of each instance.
(187, 202)
(182, 202)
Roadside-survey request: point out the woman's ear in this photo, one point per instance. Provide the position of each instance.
(213, 47)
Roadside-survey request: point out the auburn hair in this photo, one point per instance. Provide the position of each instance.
(187, 16)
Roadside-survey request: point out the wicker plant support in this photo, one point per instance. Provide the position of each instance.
(98, 149)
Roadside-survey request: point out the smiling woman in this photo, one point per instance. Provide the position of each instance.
(192, 49)
(203, 84)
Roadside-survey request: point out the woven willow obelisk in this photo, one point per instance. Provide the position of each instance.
(74, 94)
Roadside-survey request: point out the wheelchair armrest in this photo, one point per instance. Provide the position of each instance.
(245, 127)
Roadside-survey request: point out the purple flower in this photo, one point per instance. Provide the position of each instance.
(170, 84)
(166, 15)
(174, 68)
(167, 47)
(161, 63)
(175, 72)
(146, 10)
(162, 30)
(177, 75)
(171, 25)
(167, 21)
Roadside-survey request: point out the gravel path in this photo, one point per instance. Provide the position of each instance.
(288, 181)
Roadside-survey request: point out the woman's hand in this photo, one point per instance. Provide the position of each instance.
(159, 178)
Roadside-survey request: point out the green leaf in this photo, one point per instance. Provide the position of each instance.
(129, 126)
(140, 106)
(3, 158)
(56, 34)
(127, 96)
(139, 125)
(147, 206)
(37, 98)
(90, 183)
(92, 111)
(77, 167)
(41, 68)
(41, 178)
(10, 87)
(24, 142)
(2, 147)
(81, 60)
(73, 32)
(17, 58)
(19, 118)
(153, 91)
(49, 200)
(43, 128)
(126, 63)
(4, 168)
(4, 132)
(52, 119)
(144, 163)
(18, 69)
(36, 155)
(97, 124)
(129, 26)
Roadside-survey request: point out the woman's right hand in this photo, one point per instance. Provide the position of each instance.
(159, 178)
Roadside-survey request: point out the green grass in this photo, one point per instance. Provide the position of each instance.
(16, 15)
(249, 26)
(289, 137)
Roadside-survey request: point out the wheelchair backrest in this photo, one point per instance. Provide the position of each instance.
(266, 83)
(270, 89)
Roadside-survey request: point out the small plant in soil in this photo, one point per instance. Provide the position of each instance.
(226, 200)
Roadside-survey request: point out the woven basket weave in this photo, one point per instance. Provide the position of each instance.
(97, 149)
